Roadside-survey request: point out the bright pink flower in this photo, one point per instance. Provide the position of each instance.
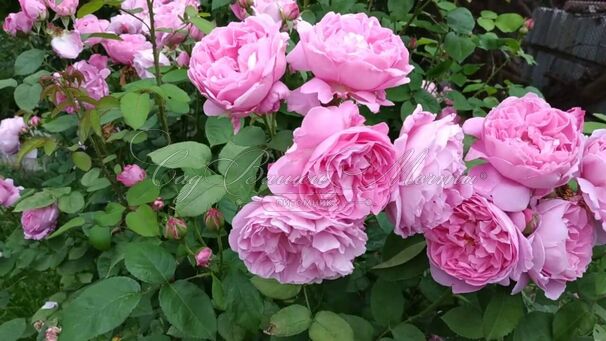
(203, 257)
(295, 246)
(175, 228)
(278, 10)
(562, 245)
(90, 24)
(337, 164)
(35, 9)
(592, 177)
(428, 173)
(17, 22)
(477, 246)
(125, 23)
(352, 56)
(9, 193)
(40, 222)
(123, 51)
(68, 45)
(528, 141)
(237, 67)
(10, 130)
(144, 61)
(506, 194)
(63, 8)
(131, 175)
(158, 204)
(167, 16)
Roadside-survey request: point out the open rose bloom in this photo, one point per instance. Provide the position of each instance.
(592, 177)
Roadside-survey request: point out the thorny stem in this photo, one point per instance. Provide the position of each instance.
(152, 34)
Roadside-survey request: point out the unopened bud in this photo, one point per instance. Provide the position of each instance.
(203, 257)
(35, 121)
(214, 219)
(158, 204)
(175, 228)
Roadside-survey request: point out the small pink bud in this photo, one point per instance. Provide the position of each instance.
(214, 219)
(35, 121)
(412, 44)
(529, 23)
(52, 334)
(203, 257)
(158, 204)
(175, 228)
(183, 59)
(290, 11)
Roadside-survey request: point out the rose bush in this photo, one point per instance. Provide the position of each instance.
(274, 170)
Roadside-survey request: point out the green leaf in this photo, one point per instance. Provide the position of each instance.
(218, 130)
(363, 330)
(12, 330)
(289, 321)
(592, 285)
(509, 22)
(198, 195)
(569, 319)
(502, 314)
(8, 83)
(461, 20)
(174, 93)
(143, 221)
(90, 8)
(100, 237)
(535, 326)
(111, 216)
(407, 332)
(29, 61)
(403, 256)
(99, 308)
(328, 326)
(72, 202)
(149, 263)
(486, 24)
(61, 123)
(244, 303)
(464, 321)
(241, 173)
(142, 193)
(281, 141)
(274, 289)
(458, 47)
(82, 161)
(399, 8)
(182, 155)
(38, 200)
(250, 136)
(201, 23)
(188, 309)
(175, 76)
(73, 223)
(219, 3)
(27, 96)
(386, 302)
(590, 127)
(135, 109)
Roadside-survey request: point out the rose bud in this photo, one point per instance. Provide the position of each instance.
(131, 175)
(203, 257)
(175, 228)
(35, 121)
(158, 204)
(214, 219)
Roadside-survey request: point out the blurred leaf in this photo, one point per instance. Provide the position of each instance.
(71, 203)
(386, 302)
(100, 237)
(363, 330)
(458, 47)
(27, 96)
(218, 130)
(8, 83)
(535, 326)
(328, 326)
(243, 301)
(73, 223)
(569, 319)
(289, 321)
(249, 136)
(464, 320)
(407, 332)
(12, 330)
(82, 160)
(90, 7)
(461, 20)
(403, 256)
(182, 155)
(273, 289)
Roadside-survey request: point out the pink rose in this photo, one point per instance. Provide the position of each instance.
(175, 228)
(90, 24)
(195, 33)
(203, 257)
(9, 193)
(34, 121)
(63, 8)
(95, 73)
(168, 19)
(477, 246)
(158, 204)
(183, 59)
(429, 173)
(131, 175)
(528, 141)
(352, 56)
(562, 246)
(125, 23)
(592, 177)
(294, 246)
(35, 9)
(40, 222)
(337, 164)
(144, 61)
(506, 194)
(10, 130)
(17, 22)
(237, 67)
(68, 45)
(278, 10)
(123, 51)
